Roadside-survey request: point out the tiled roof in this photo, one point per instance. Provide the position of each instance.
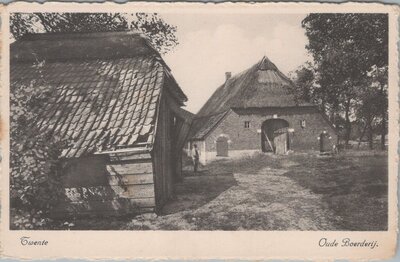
(203, 125)
(80, 46)
(98, 104)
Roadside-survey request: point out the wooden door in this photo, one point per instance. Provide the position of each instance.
(269, 130)
(222, 146)
(267, 144)
(280, 141)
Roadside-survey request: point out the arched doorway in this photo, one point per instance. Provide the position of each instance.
(222, 146)
(325, 144)
(274, 136)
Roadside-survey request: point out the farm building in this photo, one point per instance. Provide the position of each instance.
(255, 111)
(116, 103)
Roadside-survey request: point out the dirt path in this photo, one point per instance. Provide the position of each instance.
(271, 192)
(265, 200)
(292, 207)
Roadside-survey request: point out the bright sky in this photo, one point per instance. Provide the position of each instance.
(212, 44)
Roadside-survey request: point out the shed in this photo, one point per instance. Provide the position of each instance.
(115, 101)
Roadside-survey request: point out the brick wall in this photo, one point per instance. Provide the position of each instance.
(241, 138)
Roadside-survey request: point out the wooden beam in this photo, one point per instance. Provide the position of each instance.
(269, 142)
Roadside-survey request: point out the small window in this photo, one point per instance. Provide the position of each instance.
(303, 123)
(246, 124)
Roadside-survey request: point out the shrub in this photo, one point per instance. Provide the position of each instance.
(35, 185)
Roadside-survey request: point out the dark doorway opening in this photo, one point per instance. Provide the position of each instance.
(275, 136)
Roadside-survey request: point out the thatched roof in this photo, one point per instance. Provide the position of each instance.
(105, 87)
(202, 126)
(262, 85)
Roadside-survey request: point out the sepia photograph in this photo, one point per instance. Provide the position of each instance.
(166, 122)
(290, 133)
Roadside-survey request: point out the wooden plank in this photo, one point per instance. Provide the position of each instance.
(130, 168)
(269, 142)
(158, 154)
(170, 153)
(139, 191)
(129, 156)
(136, 179)
(166, 151)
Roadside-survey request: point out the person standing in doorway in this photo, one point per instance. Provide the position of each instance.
(195, 156)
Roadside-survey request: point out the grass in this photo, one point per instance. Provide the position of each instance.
(354, 187)
(270, 192)
(247, 164)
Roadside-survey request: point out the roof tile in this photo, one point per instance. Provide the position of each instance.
(97, 99)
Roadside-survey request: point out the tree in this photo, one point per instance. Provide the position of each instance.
(377, 101)
(305, 84)
(367, 113)
(307, 88)
(345, 49)
(161, 34)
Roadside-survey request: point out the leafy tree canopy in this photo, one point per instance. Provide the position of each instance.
(349, 67)
(362, 38)
(161, 34)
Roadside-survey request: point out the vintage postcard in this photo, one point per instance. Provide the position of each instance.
(196, 131)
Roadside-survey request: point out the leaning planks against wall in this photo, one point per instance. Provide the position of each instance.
(134, 173)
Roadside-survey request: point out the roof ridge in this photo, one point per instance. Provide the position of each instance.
(266, 64)
(81, 46)
(72, 35)
(265, 59)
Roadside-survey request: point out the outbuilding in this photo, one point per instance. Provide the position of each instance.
(115, 101)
